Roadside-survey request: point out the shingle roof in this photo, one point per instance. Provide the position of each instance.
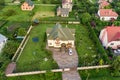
(64, 11)
(107, 12)
(30, 3)
(2, 38)
(61, 33)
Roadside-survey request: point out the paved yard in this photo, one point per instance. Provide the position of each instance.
(65, 60)
(71, 75)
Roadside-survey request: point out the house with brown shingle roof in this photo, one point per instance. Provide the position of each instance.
(107, 14)
(58, 36)
(27, 5)
(65, 9)
(63, 12)
(110, 37)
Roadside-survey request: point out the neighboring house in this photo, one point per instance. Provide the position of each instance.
(65, 9)
(3, 40)
(103, 4)
(107, 14)
(67, 4)
(27, 5)
(99, 1)
(59, 36)
(110, 37)
(63, 12)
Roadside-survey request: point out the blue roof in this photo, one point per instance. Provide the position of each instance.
(2, 38)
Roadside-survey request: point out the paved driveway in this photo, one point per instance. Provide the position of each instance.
(64, 60)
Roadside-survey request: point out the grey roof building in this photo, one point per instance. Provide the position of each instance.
(30, 3)
(2, 38)
(59, 32)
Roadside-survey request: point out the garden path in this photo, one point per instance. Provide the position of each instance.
(64, 60)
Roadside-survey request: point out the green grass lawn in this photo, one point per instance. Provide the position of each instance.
(43, 11)
(85, 47)
(33, 55)
(14, 13)
(97, 74)
(47, 76)
(8, 1)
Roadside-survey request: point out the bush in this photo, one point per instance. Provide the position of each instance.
(10, 12)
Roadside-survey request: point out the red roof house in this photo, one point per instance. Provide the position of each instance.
(107, 14)
(99, 1)
(110, 36)
(103, 4)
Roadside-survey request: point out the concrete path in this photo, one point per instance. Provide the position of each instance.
(64, 60)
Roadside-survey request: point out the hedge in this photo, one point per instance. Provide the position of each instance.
(100, 48)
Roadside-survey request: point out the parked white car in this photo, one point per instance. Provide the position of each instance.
(70, 51)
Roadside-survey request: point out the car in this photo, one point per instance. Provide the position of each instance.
(70, 51)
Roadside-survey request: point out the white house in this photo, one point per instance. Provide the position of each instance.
(59, 36)
(110, 37)
(3, 40)
(107, 14)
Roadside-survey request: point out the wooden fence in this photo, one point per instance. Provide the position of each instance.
(56, 70)
(14, 58)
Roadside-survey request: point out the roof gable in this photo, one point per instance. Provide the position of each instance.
(61, 33)
(113, 33)
(107, 12)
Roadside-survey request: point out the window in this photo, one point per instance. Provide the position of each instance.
(112, 44)
(50, 43)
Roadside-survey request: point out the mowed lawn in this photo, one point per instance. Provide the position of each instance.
(34, 55)
(43, 11)
(85, 46)
(14, 13)
(97, 74)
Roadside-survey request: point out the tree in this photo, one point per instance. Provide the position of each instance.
(86, 17)
(116, 66)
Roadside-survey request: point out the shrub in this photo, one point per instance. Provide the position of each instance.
(10, 12)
